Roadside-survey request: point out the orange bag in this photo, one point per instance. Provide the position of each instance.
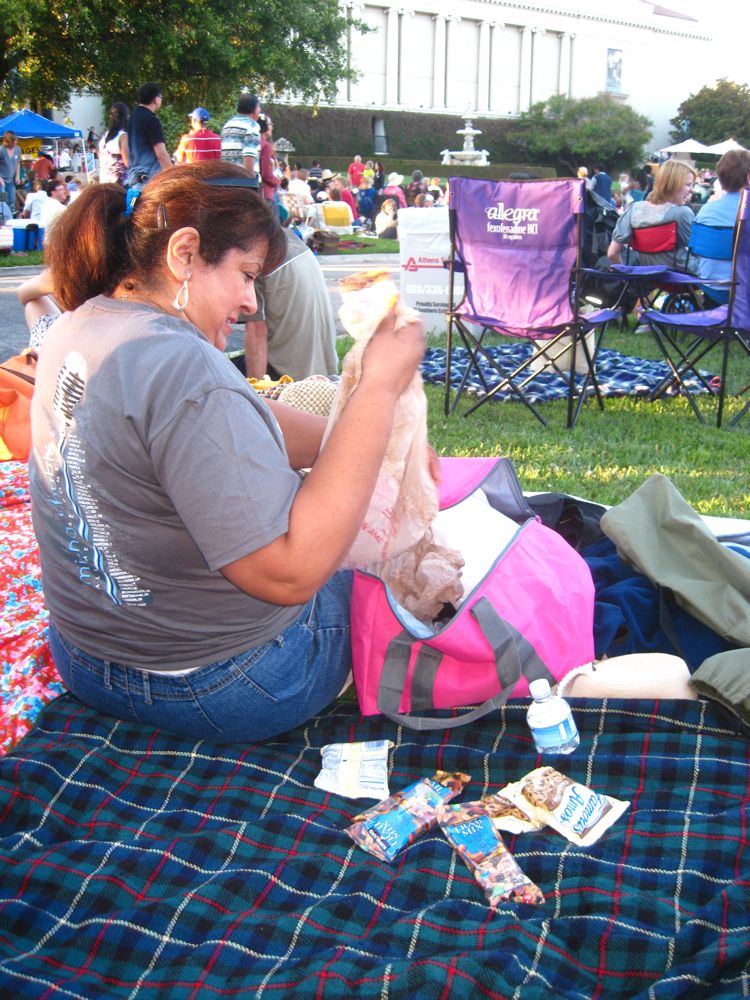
(17, 380)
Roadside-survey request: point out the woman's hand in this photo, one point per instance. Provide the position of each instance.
(393, 353)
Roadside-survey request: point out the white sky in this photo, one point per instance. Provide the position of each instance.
(728, 21)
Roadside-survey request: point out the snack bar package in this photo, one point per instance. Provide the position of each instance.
(355, 770)
(468, 827)
(396, 822)
(574, 810)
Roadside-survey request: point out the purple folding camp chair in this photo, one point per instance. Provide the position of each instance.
(518, 244)
(726, 325)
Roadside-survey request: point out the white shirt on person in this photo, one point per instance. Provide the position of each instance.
(51, 211)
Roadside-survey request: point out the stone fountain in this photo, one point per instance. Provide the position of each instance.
(468, 155)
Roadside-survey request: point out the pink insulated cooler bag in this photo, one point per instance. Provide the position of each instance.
(531, 616)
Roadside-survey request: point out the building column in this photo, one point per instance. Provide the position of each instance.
(403, 69)
(524, 94)
(391, 58)
(353, 10)
(451, 20)
(438, 65)
(563, 84)
(483, 66)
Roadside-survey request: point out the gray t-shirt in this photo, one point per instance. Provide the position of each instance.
(295, 303)
(641, 214)
(153, 465)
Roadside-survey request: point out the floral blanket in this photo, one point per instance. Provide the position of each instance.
(28, 679)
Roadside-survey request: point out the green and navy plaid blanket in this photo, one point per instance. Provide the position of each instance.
(136, 864)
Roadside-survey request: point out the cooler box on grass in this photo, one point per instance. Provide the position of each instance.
(23, 239)
(424, 243)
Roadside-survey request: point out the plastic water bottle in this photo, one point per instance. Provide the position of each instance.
(550, 720)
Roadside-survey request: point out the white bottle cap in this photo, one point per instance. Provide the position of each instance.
(539, 688)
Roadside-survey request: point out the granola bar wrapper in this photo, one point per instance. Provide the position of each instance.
(576, 811)
(469, 828)
(388, 827)
(508, 816)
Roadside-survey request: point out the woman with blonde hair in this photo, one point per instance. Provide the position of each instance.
(668, 202)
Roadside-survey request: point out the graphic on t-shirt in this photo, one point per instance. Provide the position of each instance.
(89, 541)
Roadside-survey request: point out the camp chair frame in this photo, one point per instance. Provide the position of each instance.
(726, 325)
(564, 342)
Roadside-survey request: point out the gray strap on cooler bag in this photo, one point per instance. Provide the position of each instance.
(514, 656)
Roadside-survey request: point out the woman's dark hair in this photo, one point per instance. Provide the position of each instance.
(94, 246)
(118, 120)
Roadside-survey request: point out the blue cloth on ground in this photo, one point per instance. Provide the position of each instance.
(632, 615)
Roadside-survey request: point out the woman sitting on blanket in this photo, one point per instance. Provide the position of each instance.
(189, 571)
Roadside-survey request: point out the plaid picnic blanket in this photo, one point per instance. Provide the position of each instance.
(617, 374)
(137, 864)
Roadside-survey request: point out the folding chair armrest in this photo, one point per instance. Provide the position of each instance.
(640, 271)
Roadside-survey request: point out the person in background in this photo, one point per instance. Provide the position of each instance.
(10, 169)
(147, 151)
(315, 170)
(240, 136)
(733, 172)
(76, 160)
(269, 176)
(341, 184)
(416, 186)
(43, 167)
(54, 205)
(394, 190)
(668, 202)
(378, 181)
(113, 147)
(355, 170)
(32, 206)
(386, 221)
(190, 572)
(369, 170)
(200, 143)
(583, 175)
(436, 191)
(293, 331)
(601, 183)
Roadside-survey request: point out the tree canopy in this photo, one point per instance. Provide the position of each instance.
(571, 133)
(717, 112)
(201, 51)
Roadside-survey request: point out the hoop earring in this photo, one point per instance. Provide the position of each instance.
(181, 298)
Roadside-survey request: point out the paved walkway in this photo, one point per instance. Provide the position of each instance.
(14, 332)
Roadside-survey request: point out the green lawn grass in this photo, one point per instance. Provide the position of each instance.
(371, 246)
(22, 260)
(609, 454)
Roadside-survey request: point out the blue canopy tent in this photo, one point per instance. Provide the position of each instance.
(29, 125)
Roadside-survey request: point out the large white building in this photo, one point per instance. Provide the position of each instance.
(497, 59)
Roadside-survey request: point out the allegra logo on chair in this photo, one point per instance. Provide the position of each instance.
(512, 223)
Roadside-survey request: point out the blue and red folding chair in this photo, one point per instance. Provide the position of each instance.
(686, 338)
(518, 245)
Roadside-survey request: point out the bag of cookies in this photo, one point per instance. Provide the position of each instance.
(576, 811)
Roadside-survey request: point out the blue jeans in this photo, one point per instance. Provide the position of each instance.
(258, 694)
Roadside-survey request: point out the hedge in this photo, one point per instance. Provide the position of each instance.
(332, 133)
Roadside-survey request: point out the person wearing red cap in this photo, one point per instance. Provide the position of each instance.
(200, 143)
